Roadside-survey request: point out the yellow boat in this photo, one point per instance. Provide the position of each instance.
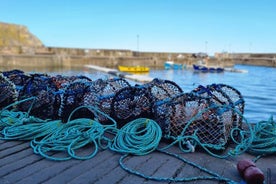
(134, 69)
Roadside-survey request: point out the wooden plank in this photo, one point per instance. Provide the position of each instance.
(8, 144)
(85, 170)
(49, 172)
(16, 156)
(18, 164)
(11, 148)
(98, 171)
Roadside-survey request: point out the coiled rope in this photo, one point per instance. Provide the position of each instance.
(264, 141)
(68, 138)
(138, 137)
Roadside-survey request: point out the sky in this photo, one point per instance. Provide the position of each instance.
(210, 26)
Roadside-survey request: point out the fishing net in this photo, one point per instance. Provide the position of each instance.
(8, 93)
(222, 94)
(17, 77)
(131, 103)
(236, 102)
(135, 102)
(101, 93)
(73, 97)
(62, 81)
(161, 89)
(189, 114)
(46, 100)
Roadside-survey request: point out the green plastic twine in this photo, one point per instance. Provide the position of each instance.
(138, 137)
(68, 138)
(212, 175)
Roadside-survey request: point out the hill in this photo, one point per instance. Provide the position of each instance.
(17, 35)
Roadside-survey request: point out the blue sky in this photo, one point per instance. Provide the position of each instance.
(149, 25)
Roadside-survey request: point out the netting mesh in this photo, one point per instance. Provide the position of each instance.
(207, 112)
(190, 114)
(101, 94)
(8, 93)
(18, 78)
(237, 101)
(46, 100)
(161, 89)
(72, 97)
(131, 103)
(222, 94)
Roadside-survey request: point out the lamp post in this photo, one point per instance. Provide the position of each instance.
(138, 44)
(206, 44)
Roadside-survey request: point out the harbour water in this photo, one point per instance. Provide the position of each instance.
(258, 85)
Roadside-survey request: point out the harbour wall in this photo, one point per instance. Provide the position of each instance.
(55, 57)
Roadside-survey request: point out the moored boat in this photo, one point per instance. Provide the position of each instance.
(171, 65)
(134, 69)
(202, 68)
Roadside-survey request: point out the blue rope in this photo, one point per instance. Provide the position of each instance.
(213, 175)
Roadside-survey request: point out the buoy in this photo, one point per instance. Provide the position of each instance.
(250, 172)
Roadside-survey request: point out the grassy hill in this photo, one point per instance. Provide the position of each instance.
(17, 35)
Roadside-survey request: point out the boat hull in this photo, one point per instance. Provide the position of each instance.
(201, 68)
(134, 69)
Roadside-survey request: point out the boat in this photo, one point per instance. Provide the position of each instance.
(235, 70)
(203, 68)
(171, 65)
(133, 69)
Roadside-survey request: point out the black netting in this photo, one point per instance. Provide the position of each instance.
(209, 113)
(73, 97)
(161, 89)
(101, 93)
(131, 103)
(46, 100)
(62, 81)
(18, 78)
(8, 93)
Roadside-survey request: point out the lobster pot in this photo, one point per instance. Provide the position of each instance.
(101, 94)
(189, 114)
(63, 81)
(46, 101)
(73, 97)
(8, 93)
(217, 97)
(17, 77)
(161, 89)
(222, 94)
(236, 101)
(131, 103)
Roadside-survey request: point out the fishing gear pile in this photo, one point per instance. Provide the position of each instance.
(207, 114)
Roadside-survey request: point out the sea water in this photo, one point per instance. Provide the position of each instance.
(257, 85)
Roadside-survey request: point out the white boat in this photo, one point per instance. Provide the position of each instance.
(235, 70)
(171, 65)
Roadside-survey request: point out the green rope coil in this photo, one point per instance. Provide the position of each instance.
(30, 131)
(138, 137)
(264, 141)
(70, 137)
